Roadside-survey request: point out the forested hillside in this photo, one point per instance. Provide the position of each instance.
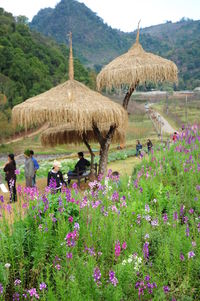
(30, 64)
(96, 43)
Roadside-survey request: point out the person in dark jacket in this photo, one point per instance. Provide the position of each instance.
(138, 148)
(29, 170)
(10, 177)
(80, 166)
(55, 177)
(149, 145)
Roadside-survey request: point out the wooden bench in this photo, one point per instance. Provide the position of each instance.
(79, 175)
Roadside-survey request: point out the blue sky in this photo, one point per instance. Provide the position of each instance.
(121, 14)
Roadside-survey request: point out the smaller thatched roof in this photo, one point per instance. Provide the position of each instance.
(136, 66)
(70, 102)
(67, 134)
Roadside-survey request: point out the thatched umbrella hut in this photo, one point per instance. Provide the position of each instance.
(136, 67)
(79, 110)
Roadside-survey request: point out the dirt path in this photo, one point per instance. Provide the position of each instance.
(43, 128)
(161, 125)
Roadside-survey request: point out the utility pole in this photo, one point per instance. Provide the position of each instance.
(186, 111)
(167, 103)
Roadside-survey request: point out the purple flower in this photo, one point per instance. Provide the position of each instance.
(69, 255)
(147, 209)
(198, 187)
(191, 254)
(187, 231)
(115, 196)
(194, 244)
(117, 249)
(17, 282)
(146, 250)
(33, 293)
(147, 278)
(1, 289)
(124, 245)
(43, 286)
(138, 219)
(154, 222)
(58, 267)
(175, 216)
(185, 219)
(182, 258)
(112, 278)
(182, 210)
(70, 219)
(97, 275)
(198, 226)
(165, 218)
(16, 297)
(76, 226)
(166, 289)
(191, 211)
(75, 187)
(52, 184)
(17, 171)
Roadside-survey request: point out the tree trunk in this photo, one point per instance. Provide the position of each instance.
(91, 153)
(104, 146)
(128, 95)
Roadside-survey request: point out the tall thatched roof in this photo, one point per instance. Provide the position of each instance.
(70, 103)
(68, 134)
(136, 66)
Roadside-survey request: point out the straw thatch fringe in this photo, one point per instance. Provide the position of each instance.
(136, 66)
(69, 103)
(67, 135)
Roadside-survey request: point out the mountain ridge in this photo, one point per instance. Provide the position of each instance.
(96, 43)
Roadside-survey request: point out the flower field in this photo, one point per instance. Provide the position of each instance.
(128, 238)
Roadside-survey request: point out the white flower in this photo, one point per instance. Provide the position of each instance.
(65, 177)
(7, 265)
(130, 260)
(72, 278)
(123, 262)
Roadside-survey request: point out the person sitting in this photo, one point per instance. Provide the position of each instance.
(149, 145)
(55, 177)
(138, 148)
(36, 166)
(80, 166)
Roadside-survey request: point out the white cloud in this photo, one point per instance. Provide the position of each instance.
(121, 14)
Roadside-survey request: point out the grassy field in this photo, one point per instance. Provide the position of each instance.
(179, 112)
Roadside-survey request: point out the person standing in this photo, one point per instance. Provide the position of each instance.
(149, 145)
(36, 166)
(29, 168)
(138, 148)
(10, 177)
